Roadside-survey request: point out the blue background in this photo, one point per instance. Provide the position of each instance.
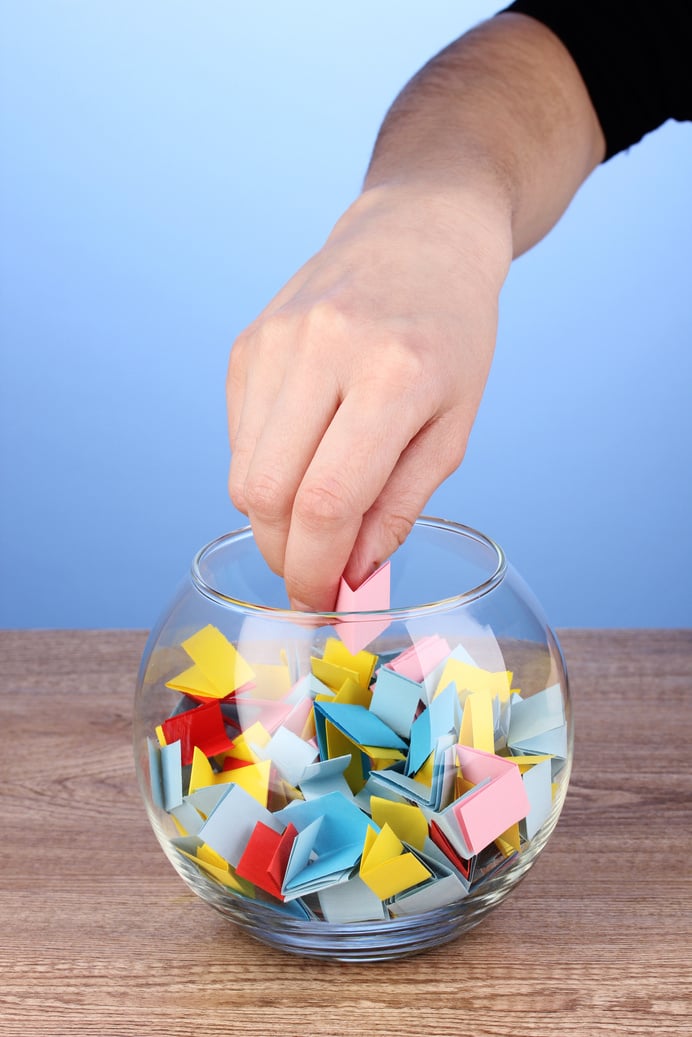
(166, 167)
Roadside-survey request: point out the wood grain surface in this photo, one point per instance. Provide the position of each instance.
(100, 936)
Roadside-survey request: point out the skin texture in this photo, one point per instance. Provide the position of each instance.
(351, 397)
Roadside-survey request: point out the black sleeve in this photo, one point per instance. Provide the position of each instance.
(635, 59)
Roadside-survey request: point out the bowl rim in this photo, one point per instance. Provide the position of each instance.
(313, 618)
(320, 618)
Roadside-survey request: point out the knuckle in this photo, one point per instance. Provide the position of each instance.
(257, 342)
(273, 556)
(403, 364)
(275, 328)
(299, 590)
(324, 503)
(451, 447)
(396, 527)
(235, 370)
(264, 495)
(454, 458)
(236, 493)
(238, 354)
(233, 378)
(324, 319)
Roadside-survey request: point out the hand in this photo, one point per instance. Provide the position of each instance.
(352, 396)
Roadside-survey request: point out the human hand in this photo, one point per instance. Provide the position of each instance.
(352, 396)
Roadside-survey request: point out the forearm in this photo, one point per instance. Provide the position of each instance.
(501, 122)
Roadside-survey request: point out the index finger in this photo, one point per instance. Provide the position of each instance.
(351, 466)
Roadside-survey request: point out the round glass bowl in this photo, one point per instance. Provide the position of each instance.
(361, 784)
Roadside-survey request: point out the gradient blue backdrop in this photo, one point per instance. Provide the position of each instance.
(166, 166)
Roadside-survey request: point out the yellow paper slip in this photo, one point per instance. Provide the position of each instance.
(339, 745)
(193, 682)
(273, 681)
(509, 842)
(331, 675)
(525, 762)
(477, 722)
(380, 758)
(385, 868)
(424, 774)
(363, 663)
(408, 822)
(225, 875)
(254, 777)
(255, 736)
(218, 660)
(353, 694)
(468, 678)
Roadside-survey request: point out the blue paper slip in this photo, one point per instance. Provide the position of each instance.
(351, 901)
(232, 822)
(442, 717)
(342, 821)
(357, 723)
(537, 723)
(166, 773)
(289, 753)
(435, 795)
(319, 779)
(538, 784)
(395, 700)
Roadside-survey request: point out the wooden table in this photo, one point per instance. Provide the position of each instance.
(101, 937)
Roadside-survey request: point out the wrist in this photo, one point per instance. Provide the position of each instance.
(473, 219)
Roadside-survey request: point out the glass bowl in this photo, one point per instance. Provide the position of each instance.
(361, 784)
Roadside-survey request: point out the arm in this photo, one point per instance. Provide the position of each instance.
(352, 396)
(503, 113)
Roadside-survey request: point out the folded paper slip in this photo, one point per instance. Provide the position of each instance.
(359, 725)
(421, 658)
(497, 801)
(218, 670)
(342, 822)
(396, 700)
(266, 856)
(200, 728)
(537, 724)
(371, 596)
(386, 868)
